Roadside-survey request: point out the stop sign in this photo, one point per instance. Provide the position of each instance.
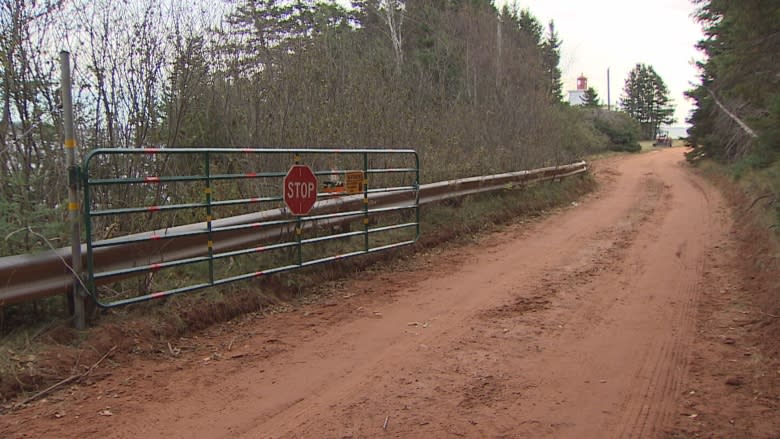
(300, 189)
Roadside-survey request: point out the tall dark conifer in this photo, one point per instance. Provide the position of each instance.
(738, 103)
(551, 48)
(646, 99)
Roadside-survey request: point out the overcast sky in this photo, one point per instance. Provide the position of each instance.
(618, 34)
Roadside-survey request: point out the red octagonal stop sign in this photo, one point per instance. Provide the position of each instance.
(300, 189)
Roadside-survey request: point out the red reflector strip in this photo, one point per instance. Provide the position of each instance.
(259, 273)
(151, 150)
(153, 208)
(251, 174)
(155, 237)
(152, 179)
(259, 249)
(157, 295)
(155, 267)
(246, 150)
(254, 200)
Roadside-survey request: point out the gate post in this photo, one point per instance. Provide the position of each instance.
(79, 301)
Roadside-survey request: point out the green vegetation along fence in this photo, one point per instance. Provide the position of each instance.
(203, 202)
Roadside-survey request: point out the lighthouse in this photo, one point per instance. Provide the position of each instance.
(582, 82)
(577, 97)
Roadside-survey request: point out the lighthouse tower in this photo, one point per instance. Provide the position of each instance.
(577, 97)
(582, 82)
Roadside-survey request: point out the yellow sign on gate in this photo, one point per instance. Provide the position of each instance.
(353, 182)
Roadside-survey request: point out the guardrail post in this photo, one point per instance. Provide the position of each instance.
(79, 300)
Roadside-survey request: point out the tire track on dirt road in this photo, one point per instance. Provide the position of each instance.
(648, 412)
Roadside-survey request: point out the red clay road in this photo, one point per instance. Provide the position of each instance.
(579, 325)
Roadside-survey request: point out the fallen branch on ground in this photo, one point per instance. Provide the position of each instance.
(68, 380)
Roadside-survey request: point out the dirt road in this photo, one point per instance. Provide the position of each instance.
(575, 326)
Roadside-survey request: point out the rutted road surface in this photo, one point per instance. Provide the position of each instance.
(576, 326)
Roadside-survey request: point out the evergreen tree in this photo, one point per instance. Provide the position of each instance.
(646, 99)
(591, 98)
(530, 26)
(551, 48)
(262, 32)
(738, 104)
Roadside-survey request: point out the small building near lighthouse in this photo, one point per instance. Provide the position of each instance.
(577, 97)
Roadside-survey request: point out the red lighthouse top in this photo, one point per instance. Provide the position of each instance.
(582, 82)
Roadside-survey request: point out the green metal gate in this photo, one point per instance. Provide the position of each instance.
(218, 215)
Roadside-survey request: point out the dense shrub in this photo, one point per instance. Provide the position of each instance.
(622, 131)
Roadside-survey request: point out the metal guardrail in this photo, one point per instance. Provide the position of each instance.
(27, 277)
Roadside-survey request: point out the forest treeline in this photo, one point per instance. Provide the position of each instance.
(737, 115)
(473, 88)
